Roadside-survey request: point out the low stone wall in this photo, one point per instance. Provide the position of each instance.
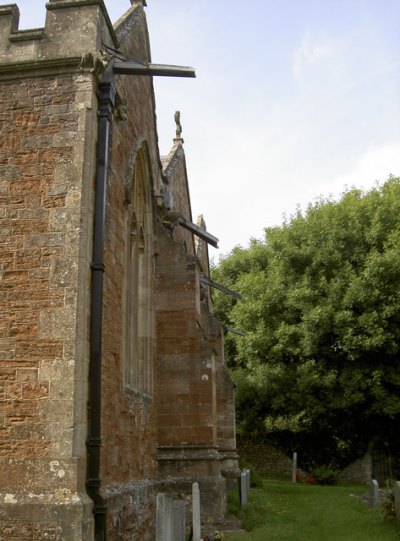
(271, 462)
(268, 460)
(360, 471)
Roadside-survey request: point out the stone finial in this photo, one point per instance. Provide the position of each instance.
(201, 222)
(178, 136)
(199, 244)
(143, 2)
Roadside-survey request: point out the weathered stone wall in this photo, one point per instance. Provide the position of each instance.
(226, 410)
(128, 466)
(268, 460)
(43, 238)
(271, 462)
(178, 189)
(194, 393)
(224, 387)
(359, 471)
(186, 409)
(47, 153)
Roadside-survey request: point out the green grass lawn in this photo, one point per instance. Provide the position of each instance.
(283, 511)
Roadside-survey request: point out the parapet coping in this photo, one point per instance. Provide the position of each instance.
(39, 33)
(27, 35)
(59, 4)
(171, 160)
(40, 68)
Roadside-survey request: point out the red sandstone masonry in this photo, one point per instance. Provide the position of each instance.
(47, 126)
(36, 118)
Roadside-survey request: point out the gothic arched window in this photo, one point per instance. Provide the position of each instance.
(139, 313)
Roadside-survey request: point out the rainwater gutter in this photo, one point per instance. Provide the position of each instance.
(106, 104)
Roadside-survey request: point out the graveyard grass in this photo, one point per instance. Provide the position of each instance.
(283, 511)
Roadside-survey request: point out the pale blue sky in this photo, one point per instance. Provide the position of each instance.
(293, 99)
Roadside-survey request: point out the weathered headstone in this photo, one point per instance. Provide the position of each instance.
(373, 493)
(397, 499)
(178, 520)
(196, 512)
(243, 489)
(294, 471)
(170, 521)
(163, 519)
(248, 480)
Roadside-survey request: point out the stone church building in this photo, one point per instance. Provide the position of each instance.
(113, 386)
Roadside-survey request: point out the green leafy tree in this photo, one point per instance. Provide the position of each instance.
(318, 369)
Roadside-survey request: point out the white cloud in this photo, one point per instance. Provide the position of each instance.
(310, 53)
(375, 164)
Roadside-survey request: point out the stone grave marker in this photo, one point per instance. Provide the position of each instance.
(178, 520)
(196, 512)
(170, 521)
(397, 499)
(164, 517)
(244, 493)
(294, 470)
(248, 480)
(373, 493)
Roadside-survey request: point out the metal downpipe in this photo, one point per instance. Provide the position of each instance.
(106, 103)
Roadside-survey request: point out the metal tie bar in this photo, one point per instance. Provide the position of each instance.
(163, 70)
(207, 281)
(198, 231)
(235, 331)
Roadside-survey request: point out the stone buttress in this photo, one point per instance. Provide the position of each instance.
(196, 425)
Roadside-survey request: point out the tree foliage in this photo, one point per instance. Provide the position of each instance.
(318, 368)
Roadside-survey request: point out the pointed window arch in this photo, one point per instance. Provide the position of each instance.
(139, 312)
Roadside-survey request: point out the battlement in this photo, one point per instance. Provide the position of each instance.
(73, 28)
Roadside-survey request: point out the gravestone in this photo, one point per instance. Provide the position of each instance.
(178, 520)
(373, 493)
(397, 499)
(164, 517)
(248, 480)
(244, 493)
(294, 469)
(196, 512)
(170, 521)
